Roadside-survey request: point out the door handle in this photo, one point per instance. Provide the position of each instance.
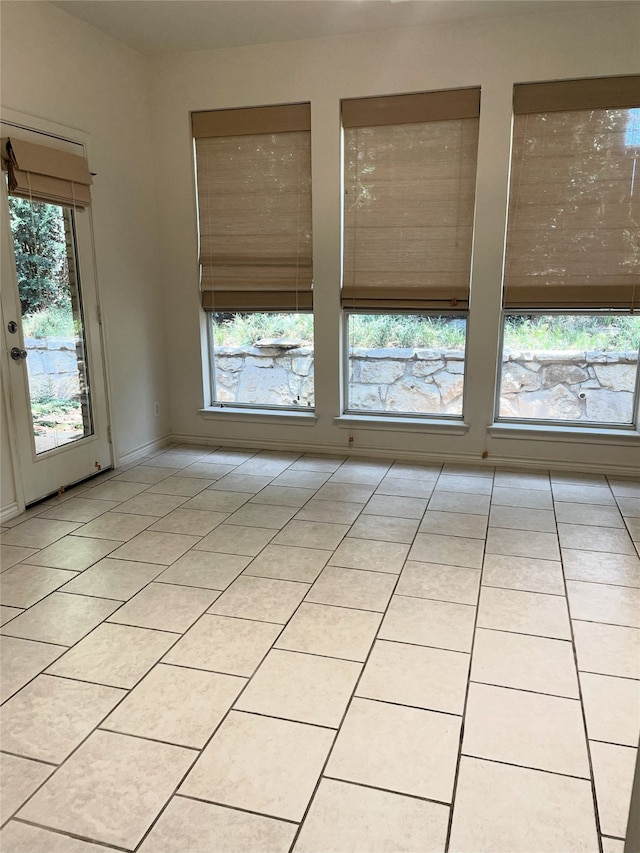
(18, 354)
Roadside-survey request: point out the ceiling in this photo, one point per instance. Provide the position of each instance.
(169, 26)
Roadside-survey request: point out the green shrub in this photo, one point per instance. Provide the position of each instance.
(47, 404)
(587, 332)
(49, 411)
(373, 331)
(54, 322)
(246, 329)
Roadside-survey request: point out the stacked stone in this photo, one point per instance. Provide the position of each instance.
(545, 385)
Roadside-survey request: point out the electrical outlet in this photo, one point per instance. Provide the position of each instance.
(156, 409)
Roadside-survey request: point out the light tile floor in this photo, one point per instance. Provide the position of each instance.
(239, 651)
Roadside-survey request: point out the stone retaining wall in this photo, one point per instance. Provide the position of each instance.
(52, 364)
(564, 385)
(265, 375)
(407, 380)
(569, 385)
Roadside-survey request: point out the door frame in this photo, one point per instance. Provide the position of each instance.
(74, 135)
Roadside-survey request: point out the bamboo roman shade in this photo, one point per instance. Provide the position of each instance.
(409, 192)
(573, 236)
(46, 174)
(254, 203)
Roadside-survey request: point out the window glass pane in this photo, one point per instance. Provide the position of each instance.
(263, 359)
(570, 368)
(51, 307)
(406, 363)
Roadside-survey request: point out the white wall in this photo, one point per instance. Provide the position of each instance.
(59, 69)
(56, 68)
(493, 54)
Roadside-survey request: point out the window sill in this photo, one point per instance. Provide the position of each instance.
(433, 425)
(573, 435)
(265, 416)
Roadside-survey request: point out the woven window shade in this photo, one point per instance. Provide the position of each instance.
(46, 174)
(573, 236)
(409, 184)
(254, 202)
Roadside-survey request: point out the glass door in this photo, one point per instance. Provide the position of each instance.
(53, 344)
(52, 323)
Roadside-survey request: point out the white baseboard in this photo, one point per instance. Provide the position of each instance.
(283, 445)
(148, 449)
(8, 512)
(504, 461)
(606, 469)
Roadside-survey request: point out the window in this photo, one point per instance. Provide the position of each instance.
(409, 193)
(406, 363)
(253, 169)
(263, 359)
(572, 263)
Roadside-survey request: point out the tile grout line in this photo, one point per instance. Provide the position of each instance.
(454, 790)
(574, 649)
(526, 767)
(235, 808)
(388, 791)
(63, 834)
(346, 711)
(28, 758)
(102, 728)
(262, 715)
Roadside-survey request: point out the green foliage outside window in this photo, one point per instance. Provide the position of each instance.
(40, 254)
(372, 331)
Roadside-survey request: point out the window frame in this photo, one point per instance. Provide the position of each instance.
(275, 408)
(582, 426)
(427, 107)
(543, 99)
(425, 417)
